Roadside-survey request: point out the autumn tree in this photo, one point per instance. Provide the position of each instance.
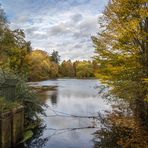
(67, 69)
(13, 46)
(84, 69)
(54, 70)
(122, 52)
(75, 64)
(39, 65)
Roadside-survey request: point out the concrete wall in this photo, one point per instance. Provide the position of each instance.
(11, 127)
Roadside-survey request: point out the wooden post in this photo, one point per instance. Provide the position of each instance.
(17, 125)
(5, 130)
(11, 127)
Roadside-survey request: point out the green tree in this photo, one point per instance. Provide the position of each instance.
(55, 57)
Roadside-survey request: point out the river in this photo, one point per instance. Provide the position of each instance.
(71, 97)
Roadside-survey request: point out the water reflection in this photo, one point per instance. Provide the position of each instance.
(54, 99)
(75, 97)
(49, 95)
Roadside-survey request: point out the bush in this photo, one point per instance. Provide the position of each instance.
(33, 107)
(6, 105)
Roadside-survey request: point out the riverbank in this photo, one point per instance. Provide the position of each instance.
(52, 79)
(39, 89)
(121, 129)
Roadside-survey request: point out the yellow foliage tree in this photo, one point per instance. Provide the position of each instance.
(40, 66)
(122, 52)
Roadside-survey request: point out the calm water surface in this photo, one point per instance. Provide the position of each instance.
(71, 96)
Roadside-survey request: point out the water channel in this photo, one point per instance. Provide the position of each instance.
(70, 98)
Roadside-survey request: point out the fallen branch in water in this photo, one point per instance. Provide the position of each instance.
(74, 116)
(71, 129)
(62, 114)
(65, 130)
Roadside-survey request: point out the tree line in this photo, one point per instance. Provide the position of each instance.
(18, 57)
(43, 65)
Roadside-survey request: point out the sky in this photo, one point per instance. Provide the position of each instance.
(62, 25)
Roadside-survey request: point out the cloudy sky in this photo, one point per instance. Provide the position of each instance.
(62, 25)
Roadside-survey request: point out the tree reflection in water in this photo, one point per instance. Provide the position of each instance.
(53, 98)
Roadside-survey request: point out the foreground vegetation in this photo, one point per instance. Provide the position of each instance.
(122, 49)
(122, 55)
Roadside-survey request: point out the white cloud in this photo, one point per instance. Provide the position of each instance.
(62, 25)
